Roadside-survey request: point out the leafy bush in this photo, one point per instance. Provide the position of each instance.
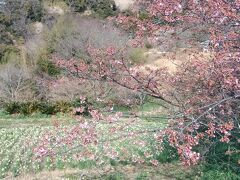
(224, 157)
(219, 174)
(6, 52)
(12, 107)
(28, 108)
(102, 8)
(63, 106)
(77, 5)
(48, 67)
(5, 36)
(143, 15)
(82, 106)
(35, 10)
(24, 108)
(47, 108)
(168, 153)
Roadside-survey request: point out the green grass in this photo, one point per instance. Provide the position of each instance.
(219, 175)
(12, 121)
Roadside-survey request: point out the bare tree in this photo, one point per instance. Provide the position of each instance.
(15, 84)
(21, 13)
(80, 33)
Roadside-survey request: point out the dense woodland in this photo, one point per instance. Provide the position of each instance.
(151, 84)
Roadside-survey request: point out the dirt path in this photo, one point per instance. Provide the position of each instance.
(173, 60)
(164, 172)
(124, 4)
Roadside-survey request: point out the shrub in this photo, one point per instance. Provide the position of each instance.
(77, 5)
(227, 153)
(143, 15)
(63, 106)
(168, 154)
(35, 10)
(7, 52)
(12, 107)
(5, 35)
(47, 108)
(219, 174)
(28, 108)
(102, 8)
(121, 97)
(48, 67)
(23, 108)
(82, 106)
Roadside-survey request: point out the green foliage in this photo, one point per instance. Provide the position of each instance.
(219, 175)
(6, 52)
(12, 107)
(142, 176)
(101, 8)
(48, 67)
(127, 12)
(77, 5)
(35, 10)
(224, 156)
(31, 107)
(5, 20)
(28, 108)
(168, 154)
(116, 176)
(47, 108)
(143, 15)
(79, 103)
(5, 35)
(6, 39)
(63, 106)
(104, 8)
(121, 108)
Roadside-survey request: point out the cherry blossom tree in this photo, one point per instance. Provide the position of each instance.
(205, 94)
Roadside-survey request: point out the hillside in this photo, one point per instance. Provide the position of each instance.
(115, 90)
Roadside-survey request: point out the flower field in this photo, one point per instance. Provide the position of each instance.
(16, 150)
(17, 147)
